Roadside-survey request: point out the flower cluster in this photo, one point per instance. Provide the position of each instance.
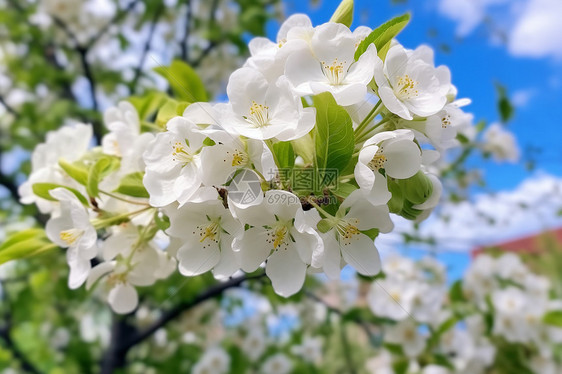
(325, 133)
(499, 314)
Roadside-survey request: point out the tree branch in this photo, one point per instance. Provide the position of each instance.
(123, 338)
(83, 52)
(10, 110)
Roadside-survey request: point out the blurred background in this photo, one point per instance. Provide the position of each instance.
(64, 61)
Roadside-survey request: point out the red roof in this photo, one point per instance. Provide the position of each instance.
(530, 244)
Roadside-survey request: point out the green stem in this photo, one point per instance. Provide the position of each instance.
(111, 220)
(372, 114)
(318, 208)
(122, 199)
(374, 130)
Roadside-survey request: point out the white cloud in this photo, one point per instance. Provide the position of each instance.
(538, 30)
(533, 27)
(521, 98)
(489, 219)
(467, 13)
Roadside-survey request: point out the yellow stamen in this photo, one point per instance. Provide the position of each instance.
(378, 161)
(334, 72)
(71, 236)
(239, 159)
(181, 154)
(210, 232)
(347, 230)
(406, 87)
(259, 115)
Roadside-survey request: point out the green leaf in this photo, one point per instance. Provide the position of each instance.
(131, 185)
(554, 318)
(455, 293)
(343, 190)
(383, 35)
(371, 233)
(170, 109)
(162, 221)
(75, 170)
(343, 13)
(21, 236)
(184, 81)
(101, 168)
(42, 190)
(505, 107)
(333, 138)
(24, 244)
(148, 104)
(284, 154)
(401, 365)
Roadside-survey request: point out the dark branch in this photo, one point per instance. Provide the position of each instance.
(10, 110)
(9, 185)
(83, 52)
(124, 336)
(173, 313)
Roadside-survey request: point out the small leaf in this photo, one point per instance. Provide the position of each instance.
(505, 107)
(343, 13)
(21, 236)
(162, 221)
(333, 137)
(456, 294)
(285, 155)
(24, 244)
(148, 104)
(343, 190)
(554, 318)
(170, 109)
(76, 171)
(131, 185)
(371, 233)
(184, 81)
(101, 168)
(42, 190)
(383, 35)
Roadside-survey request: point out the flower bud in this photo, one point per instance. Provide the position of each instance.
(416, 189)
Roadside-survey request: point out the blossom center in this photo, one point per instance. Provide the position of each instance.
(347, 230)
(334, 72)
(210, 232)
(278, 236)
(446, 121)
(378, 161)
(181, 153)
(259, 115)
(406, 87)
(239, 158)
(71, 236)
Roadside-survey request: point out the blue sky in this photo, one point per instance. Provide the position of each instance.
(524, 62)
(476, 60)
